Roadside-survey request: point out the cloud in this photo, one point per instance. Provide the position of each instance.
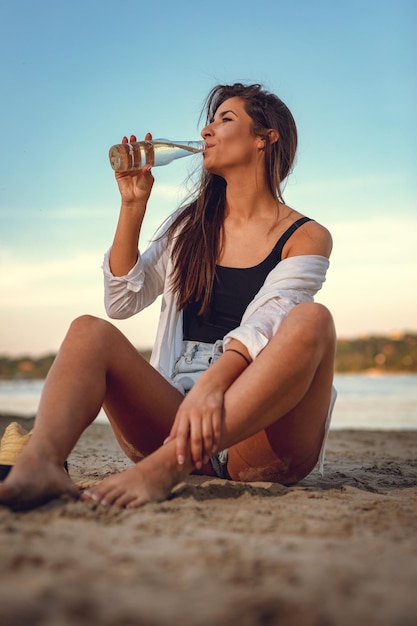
(42, 283)
(386, 242)
(356, 198)
(370, 285)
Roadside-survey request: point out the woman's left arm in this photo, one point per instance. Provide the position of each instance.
(198, 421)
(296, 279)
(312, 238)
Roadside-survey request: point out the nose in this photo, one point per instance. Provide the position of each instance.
(207, 131)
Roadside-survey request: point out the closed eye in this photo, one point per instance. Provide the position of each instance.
(223, 115)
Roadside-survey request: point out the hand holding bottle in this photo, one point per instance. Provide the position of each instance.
(135, 186)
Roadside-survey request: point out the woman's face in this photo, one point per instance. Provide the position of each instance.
(229, 139)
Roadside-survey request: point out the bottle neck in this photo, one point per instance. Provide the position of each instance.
(190, 146)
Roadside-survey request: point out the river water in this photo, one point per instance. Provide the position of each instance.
(380, 402)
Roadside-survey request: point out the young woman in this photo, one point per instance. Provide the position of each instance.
(240, 380)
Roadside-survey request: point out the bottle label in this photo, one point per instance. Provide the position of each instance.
(149, 153)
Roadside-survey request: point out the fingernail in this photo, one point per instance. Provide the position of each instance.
(180, 459)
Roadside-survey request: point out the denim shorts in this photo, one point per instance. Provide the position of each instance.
(195, 359)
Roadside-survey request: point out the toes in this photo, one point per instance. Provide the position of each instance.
(129, 489)
(124, 500)
(113, 492)
(136, 503)
(104, 493)
(113, 496)
(92, 494)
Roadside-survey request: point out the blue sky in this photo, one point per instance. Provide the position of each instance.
(77, 75)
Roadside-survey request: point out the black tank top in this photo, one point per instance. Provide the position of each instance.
(233, 289)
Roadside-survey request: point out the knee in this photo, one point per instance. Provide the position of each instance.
(89, 326)
(316, 321)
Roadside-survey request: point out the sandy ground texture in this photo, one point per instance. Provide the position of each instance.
(339, 550)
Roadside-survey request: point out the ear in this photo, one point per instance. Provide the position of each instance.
(272, 135)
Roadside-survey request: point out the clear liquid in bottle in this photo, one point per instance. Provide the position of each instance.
(128, 157)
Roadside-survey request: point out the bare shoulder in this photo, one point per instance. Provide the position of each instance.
(310, 238)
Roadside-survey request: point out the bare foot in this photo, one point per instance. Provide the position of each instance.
(147, 481)
(34, 481)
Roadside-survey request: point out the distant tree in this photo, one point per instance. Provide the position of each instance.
(386, 353)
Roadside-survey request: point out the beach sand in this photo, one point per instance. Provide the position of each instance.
(334, 550)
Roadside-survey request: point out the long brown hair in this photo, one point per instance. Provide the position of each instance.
(197, 231)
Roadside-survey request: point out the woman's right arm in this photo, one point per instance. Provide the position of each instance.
(133, 281)
(135, 189)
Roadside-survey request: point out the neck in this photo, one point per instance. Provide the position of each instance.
(246, 200)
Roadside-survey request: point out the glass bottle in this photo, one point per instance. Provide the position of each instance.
(127, 157)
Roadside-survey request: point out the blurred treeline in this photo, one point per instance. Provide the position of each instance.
(394, 353)
(387, 354)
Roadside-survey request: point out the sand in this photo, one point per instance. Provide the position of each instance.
(337, 550)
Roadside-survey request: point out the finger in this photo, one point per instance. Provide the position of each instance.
(147, 169)
(172, 435)
(183, 432)
(217, 431)
(174, 429)
(207, 439)
(196, 443)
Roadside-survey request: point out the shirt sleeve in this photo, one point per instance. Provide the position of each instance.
(293, 281)
(126, 295)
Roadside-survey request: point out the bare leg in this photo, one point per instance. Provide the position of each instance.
(290, 404)
(95, 361)
(289, 382)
